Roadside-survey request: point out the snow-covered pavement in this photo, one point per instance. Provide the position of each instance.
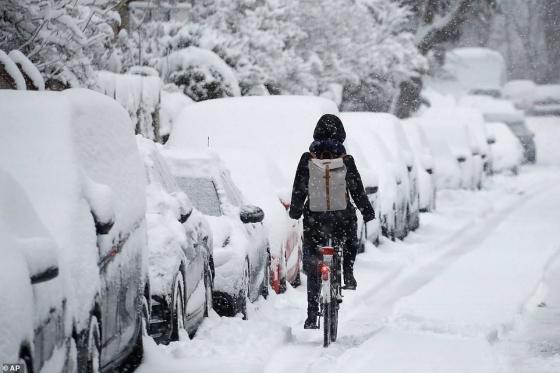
(474, 289)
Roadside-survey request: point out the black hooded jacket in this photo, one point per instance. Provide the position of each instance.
(328, 137)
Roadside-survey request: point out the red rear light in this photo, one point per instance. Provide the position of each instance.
(325, 271)
(327, 250)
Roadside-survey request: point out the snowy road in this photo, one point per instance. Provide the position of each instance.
(474, 290)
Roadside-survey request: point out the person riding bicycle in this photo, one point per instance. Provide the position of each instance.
(320, 224)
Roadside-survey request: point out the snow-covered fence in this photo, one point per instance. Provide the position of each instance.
(139, 95)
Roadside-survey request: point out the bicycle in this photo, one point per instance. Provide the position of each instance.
(331, 291)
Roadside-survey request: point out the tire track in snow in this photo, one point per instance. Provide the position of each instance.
(363, 315)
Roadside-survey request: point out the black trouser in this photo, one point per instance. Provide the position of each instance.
(341, 227)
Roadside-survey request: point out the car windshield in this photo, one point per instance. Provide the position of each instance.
(202, 192)
(486, 92)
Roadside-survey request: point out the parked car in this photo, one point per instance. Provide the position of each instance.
(499, 110)
(74, 155)
(521, 93)
(449, 141)
(389, 129)
(35, 314)
(381, 174)
(507, 150)
(278, 128)
(241, 248)
(478, 139)
(284, 233)
(180, 259)
(546, 100)
(424, 164)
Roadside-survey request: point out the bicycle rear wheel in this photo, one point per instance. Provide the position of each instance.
(327, 323)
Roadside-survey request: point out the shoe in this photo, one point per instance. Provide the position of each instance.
(311, 322)
(349, 281)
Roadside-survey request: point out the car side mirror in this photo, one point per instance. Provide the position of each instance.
(371, 190)
(45, 275)
(430, 171)
(491, 141)
(461, 159)
(41, 257)
(184, 216)
(251, 214)
(102, 227)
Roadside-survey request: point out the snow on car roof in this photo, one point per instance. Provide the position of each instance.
(388, 128)
(476, 67)
(279, 126)
(493, 109)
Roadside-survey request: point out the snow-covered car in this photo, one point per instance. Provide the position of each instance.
(33, 297)
(546, 100)
(478, 139)
(180, 259)
(284, 234)
(471, 70)
(241, 249)
(521, 93)
(451, 147)
(74, 155)
(389, 129)
(424, 164)
(507, 150)
(278, 128)
(381, 175)
(499, 110)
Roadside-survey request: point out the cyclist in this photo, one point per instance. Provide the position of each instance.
(338, 223)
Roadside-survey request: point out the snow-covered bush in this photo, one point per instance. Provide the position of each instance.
(200, 73)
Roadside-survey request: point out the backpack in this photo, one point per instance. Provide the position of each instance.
(327, 185)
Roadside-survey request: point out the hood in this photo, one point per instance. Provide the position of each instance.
(329, 127)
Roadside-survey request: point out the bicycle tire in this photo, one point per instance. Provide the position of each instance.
(327, 322)
(334, 319)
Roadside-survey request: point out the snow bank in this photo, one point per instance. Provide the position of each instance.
(279, 126)
(482, 293)
(139, 95)
(13, 71)
(28, 68)
(204, 59)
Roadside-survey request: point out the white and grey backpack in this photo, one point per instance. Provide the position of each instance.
(327, 185)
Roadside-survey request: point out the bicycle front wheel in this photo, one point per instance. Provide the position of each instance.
(334, 319)
(327, 323)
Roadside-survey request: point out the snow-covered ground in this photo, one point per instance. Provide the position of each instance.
(475, 289)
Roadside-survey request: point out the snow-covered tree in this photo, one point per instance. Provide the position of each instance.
(64, 38)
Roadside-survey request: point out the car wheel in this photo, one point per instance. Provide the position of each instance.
(178, 309)
(93, 346)
(266, 278)
(244, 295)
(209, 289)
